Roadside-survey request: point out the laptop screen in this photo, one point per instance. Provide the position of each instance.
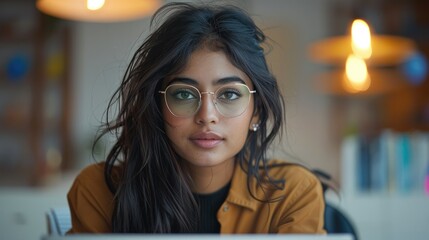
(199, 236)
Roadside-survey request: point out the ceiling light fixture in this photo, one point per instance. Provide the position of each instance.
(99, 10)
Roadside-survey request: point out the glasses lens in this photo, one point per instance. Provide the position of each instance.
(182, 100)
(232, 100)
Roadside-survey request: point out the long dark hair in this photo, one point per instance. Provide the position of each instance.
(152, 192)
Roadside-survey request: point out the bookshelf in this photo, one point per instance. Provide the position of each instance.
(35, 95)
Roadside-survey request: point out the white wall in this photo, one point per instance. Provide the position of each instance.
(294, 25)
(102, 52)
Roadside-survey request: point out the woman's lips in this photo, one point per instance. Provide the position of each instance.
(206, 139)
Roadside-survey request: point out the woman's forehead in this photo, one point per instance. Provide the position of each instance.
(209, 67)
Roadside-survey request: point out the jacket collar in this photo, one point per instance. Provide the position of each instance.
(239, 193)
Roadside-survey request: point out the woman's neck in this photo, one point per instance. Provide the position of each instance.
(210, 179)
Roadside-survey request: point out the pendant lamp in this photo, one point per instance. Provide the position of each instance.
(357, 52)
(99, 10)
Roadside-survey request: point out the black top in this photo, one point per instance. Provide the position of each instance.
(208, 207)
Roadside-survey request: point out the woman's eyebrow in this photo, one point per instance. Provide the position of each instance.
(193, 82)
(189, 81)
(232, 79)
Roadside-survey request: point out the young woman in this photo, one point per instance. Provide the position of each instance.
(197, 111)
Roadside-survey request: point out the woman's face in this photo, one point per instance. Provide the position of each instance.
(207, 138)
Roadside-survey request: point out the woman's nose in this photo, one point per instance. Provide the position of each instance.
(207, 113)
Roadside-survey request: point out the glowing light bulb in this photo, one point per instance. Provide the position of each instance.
(361, 39)
(94, 5)
(357, 77)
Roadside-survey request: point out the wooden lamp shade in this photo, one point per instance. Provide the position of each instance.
(387, 50)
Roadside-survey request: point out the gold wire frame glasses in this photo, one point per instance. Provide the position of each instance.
(230, 100)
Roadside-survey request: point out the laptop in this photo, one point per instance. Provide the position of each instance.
(198, 236)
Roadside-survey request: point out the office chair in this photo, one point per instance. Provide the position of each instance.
(58, 220)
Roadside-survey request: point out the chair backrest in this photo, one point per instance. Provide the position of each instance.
(337, 222)
(58, 220)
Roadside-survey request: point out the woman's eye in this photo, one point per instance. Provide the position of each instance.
(229, 94)
(184, 95)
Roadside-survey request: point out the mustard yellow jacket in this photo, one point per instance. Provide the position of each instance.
(300, 210)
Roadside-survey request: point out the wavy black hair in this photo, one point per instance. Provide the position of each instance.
(152, 193)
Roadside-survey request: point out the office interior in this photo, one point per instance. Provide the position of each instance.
(57, 76)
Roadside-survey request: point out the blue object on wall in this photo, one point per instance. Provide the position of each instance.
(17, 67)
(415, 68)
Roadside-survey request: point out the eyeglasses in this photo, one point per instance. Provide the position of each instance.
(184, 100)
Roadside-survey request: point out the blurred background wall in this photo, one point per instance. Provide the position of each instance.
(58, 75)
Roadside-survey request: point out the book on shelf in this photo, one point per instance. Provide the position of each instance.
(390, 162)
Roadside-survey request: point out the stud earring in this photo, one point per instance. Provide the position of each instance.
(255, 127)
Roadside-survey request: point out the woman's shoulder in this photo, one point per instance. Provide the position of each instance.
(95, 173)
(92, 172)
(90, 200)
(294, 174)
(92, 181)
